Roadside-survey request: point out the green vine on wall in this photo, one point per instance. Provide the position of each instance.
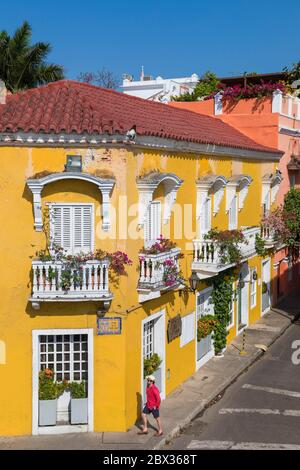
(260, 248)
(222, 296)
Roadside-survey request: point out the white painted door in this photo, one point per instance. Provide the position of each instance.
(153, 340)
(204, 347)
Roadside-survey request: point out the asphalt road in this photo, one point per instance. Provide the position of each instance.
(261, 410)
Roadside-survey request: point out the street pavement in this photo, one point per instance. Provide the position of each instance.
(260, 411)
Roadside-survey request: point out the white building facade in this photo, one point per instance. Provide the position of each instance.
(158, 89)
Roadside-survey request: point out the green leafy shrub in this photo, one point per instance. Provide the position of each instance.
(78, 389)
(151, 364)
(48, 388)
(205, 326)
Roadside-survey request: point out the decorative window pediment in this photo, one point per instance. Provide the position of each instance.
(240, 184)
(36, 186)
(270, 187)
(210, 185)
(146, 187)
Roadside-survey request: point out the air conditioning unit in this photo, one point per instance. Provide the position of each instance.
(74, 163)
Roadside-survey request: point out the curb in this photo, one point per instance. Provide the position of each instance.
(200, 408)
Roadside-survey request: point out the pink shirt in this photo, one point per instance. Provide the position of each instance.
(153, 397)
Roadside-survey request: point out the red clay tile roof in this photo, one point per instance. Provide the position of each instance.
(74, 107)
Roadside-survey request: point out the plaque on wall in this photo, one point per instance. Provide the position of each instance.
(174, 327)
(109, 326)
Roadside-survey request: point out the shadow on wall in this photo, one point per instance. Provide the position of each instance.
(285, 282)
(138, 408)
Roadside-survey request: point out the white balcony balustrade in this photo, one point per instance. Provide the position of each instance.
(54, 281)
(208, 258)
(268, 236)
(153, 272)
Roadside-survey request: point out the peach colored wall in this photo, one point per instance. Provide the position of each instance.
(255, 119)
(201, 107)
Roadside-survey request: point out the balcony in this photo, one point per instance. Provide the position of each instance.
(207, 261)
(88, 283)
(152, 279)
(268, 236)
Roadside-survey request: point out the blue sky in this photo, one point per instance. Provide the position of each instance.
(170, 38)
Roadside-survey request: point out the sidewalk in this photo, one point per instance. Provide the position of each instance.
(188, 400)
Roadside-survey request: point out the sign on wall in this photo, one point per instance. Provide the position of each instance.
(109, 326)
(174, 327)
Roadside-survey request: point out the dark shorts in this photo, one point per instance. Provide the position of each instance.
(154, 412)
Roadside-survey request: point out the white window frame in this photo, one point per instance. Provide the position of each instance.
(74, 204)
(188, 329)
(253, 294)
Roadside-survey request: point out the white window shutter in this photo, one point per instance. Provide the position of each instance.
(61, 226)
(82, 228)
(56, 225)
(233, 214)
(206, 216)
(153, 223)
(71, 227)
(66, 224)
(188, 329)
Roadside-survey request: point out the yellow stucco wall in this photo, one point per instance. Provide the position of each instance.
(117, 359)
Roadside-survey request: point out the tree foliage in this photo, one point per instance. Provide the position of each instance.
(23, 65)
(103, 77)
(207, 85)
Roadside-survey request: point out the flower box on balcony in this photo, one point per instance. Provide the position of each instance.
(87, 281)
(211, 255)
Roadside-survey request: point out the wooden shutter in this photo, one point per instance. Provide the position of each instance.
(233, 214)
(206, 216)
(71, 227)
(188, 329)
(61, 226)
(82, 228)
(153, 223)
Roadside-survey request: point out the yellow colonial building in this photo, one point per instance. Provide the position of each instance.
(109, 179)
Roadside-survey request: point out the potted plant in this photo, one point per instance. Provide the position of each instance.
(264, 288)
(151, 367)
(79, 402)
(205, 326)
(48, 394)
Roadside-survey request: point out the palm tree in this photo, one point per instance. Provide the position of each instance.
(23, 65)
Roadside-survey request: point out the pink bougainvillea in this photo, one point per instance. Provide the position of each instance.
(258, 90)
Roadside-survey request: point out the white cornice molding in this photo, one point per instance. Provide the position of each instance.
(36, 186)
(151, 142)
